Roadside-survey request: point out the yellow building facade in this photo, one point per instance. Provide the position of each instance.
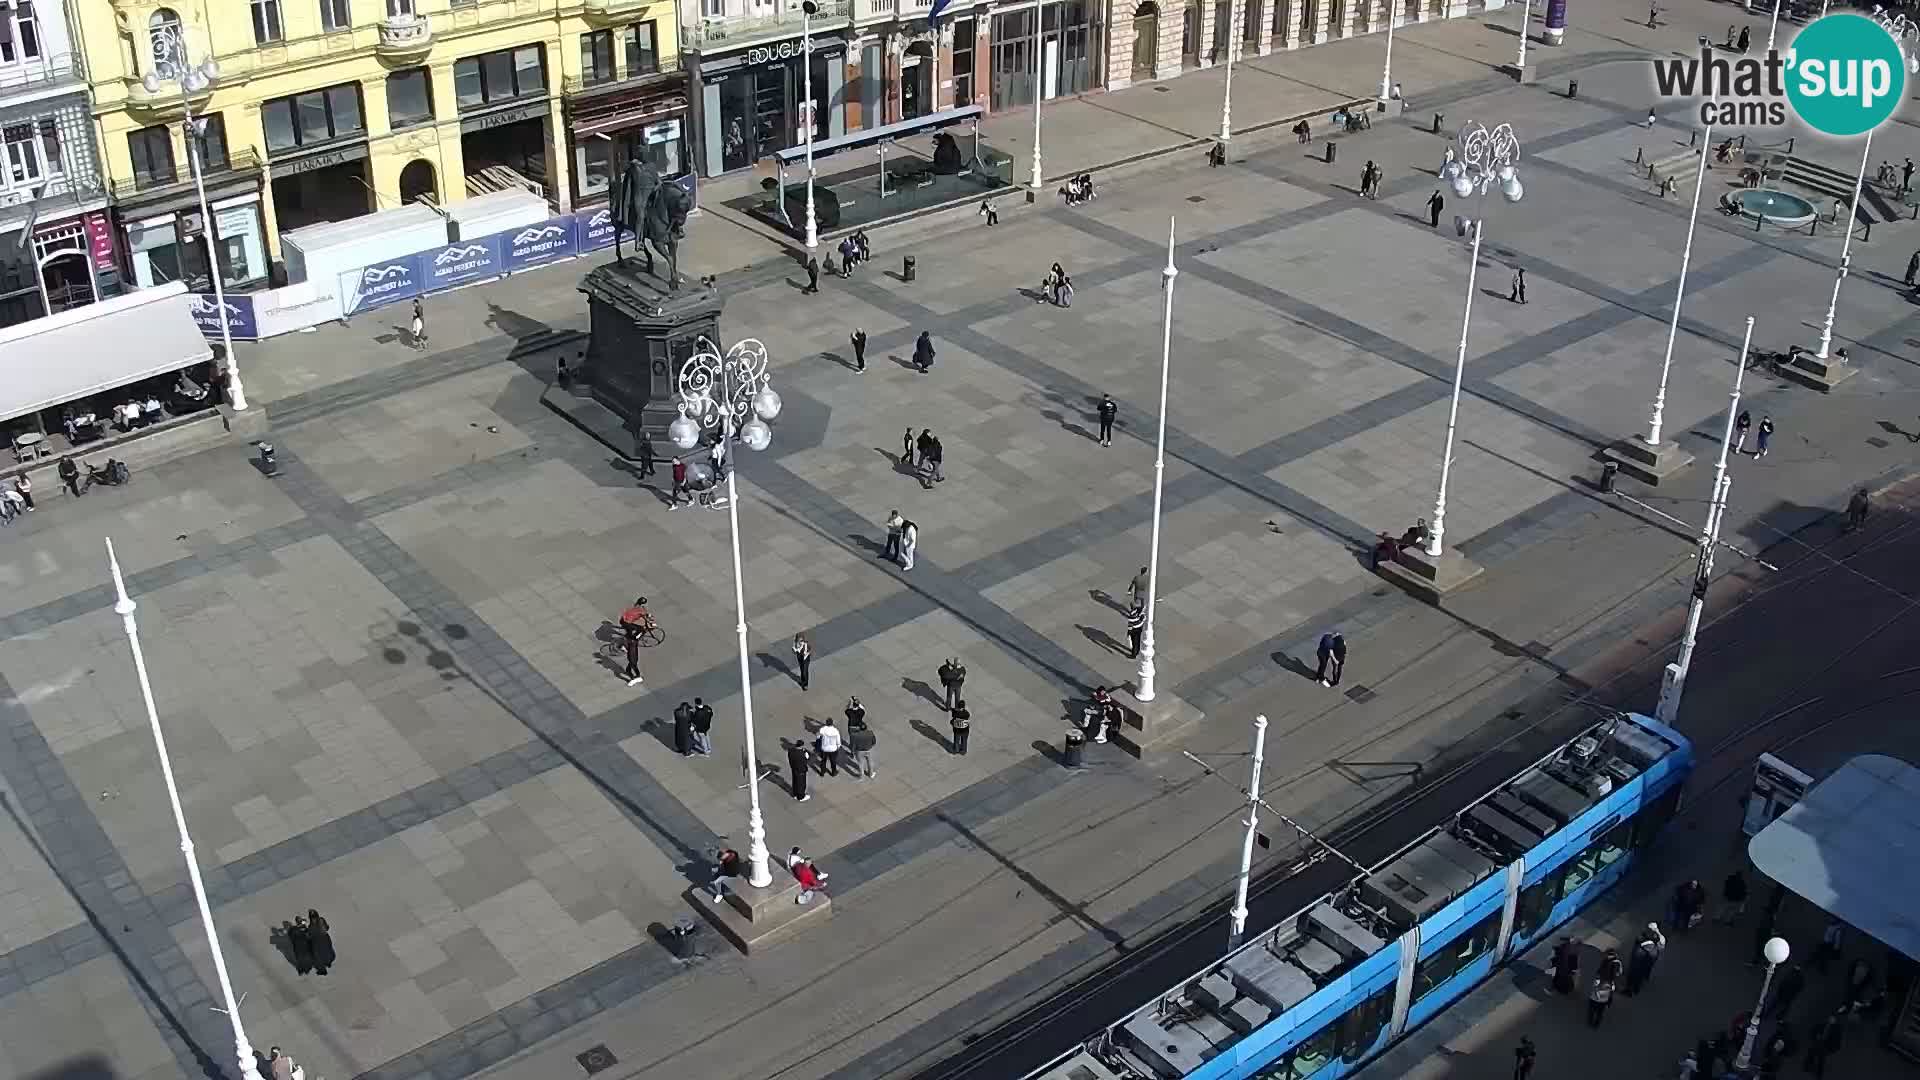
(322, 110)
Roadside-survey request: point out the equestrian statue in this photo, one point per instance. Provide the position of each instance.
(655, 212)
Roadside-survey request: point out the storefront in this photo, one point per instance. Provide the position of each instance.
(504, 122)
(170, 244)
(317, 156)
(608, 128)
(1068, 47)
(750, 101)
(68, 263)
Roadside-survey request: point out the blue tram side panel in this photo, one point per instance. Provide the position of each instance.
(1330, 988)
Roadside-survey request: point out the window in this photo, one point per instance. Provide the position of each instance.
(213, 143)
(20, 146)
(1455, 955)
(593, 165)
(152, 156)
(409, 98)
(315, 117)
(1536, 902)
(714, 9)
(266, 21)
(1653, 817)
(19, 37)
(163, 33)
(642, 42)
(596, 57)
(499, 76)
(963, 34)
(335, 15)
(399, 9)
(1362, 1025)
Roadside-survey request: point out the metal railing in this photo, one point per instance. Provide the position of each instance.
(239, 161)
(33, 74)
(783, 21)
(405, 31)
(893, 9)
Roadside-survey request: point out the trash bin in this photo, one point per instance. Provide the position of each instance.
(1075, 747)
(1332, 146)
(1573, 88)
(268, 464)
(906, 267)
(680, 938)
(1609, 477)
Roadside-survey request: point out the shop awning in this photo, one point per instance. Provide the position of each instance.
(854, 140)
(87, 350)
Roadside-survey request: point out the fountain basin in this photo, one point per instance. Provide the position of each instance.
(1778, 207)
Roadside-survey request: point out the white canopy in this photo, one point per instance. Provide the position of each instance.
(87, 350)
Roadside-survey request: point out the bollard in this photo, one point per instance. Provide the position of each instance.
(1075, 746)
(1438, 119)
(268, 464)
(1609, 477)
(1573, 89)
(907, 265)
(1331, 146)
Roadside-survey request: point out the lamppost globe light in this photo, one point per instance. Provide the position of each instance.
(1777, 951)
(151, 82)
(1462, 186)
(683, 432)
(1505, 173)
(1514, 190)
(756, 434)
(766, 404)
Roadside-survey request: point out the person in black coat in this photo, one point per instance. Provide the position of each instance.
(1109, 409)
(962, 721)
(702, 727)
(683, 729)
(646, 455)
(923, 352)
(321, 936)
(300, 937)
(813, 275)
(799, 762)
(953, 674)
(859, 339)
(1435, 204)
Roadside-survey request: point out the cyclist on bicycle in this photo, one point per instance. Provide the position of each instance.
(635, 621)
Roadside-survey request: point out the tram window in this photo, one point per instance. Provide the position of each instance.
(1653, 817)
(1360, 1028)
(1310, 1056)
(1454, 955)
(1602, 853)
(1536, 902)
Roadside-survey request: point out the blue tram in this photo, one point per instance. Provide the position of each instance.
(1339, 982)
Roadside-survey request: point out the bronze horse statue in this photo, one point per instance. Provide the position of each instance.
(655, 212)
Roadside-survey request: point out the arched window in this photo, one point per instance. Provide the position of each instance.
(163, 33)
(417, 181)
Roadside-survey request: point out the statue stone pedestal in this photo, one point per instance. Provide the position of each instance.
(640, 336)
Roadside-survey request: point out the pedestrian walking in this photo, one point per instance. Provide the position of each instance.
(1136, 628)
(906, 447)
(1913, 267)
(69, 474)
(418, 328)
(321, 933)
(1689, 904)
(894, 524)
(1599, 996)
(1746, 39)
(279, 1065)
(1303, 131)
(1435, 204)
(922, 448)
(799, 763)
(702, 728)
(861, 740)
(1523, 1057)
(826, 739)
(1788, 991)
(859, 339)
(1646, 953)
(938, 459)
(849, 254)
(1824, 1041)
(1764, 437)
(680, 481)
(1906, 177)
(1518, 294)
(962, 722)
(909, 543)
(953, 675)
(813, 275)
(1137, 588)
(646, 455)
(1332, 654)
(23, 487)
(633, 622)
(1216, 155)
(683, 729)
(300, 937)
(923, 352)
(1366, 179)
(1650, 115)
(1829, 948)
(988, 211)
(1109, 409)
(803, 656)
(1566, 965)
(1857, 507)
(1741, 425)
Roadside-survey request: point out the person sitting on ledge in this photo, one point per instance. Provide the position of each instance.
(1385, 550)
(1416, 535)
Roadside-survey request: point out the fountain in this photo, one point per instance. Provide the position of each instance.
(1778, 207)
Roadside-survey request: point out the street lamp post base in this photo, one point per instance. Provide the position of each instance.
(1646, 462)
(1392, 107)
(1432, 579)
(1145, 724)
(1521, 74)
(754, 918)
(1822, 375)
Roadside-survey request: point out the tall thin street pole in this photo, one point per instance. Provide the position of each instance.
(1039, 84)
(1826, 329)
(1233, 47)
(1526, 24)
(1386, 69)
(1453, 410)
(1674, 682)
(1680, 294)
(1774, 25)
(1774, 957)
(1239, 913)
(1143, 685)
(125, 607)
(236, 394)
(759, 874)
(806, 83)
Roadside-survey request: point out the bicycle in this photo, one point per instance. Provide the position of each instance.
(613, 645)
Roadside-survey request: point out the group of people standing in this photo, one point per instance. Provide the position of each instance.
(692, 728)
(308, 942)
(829, 748)
(1056, 288)
(926, 454)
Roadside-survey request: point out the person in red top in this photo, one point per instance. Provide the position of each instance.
(632, 622)
(810, 877)
(679, 478)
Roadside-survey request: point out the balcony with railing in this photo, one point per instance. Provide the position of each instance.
(158, 185)
(588, 85)
(728, 32)
(871, 11)
(405, 37)
(36, 78)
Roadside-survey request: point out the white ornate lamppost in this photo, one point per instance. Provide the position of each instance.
(1386, 69)
(807, 10)
(1039, 85)
(171, 66)
(732, 393)
(1665, 458)
(1143, 683)
(1776, 951)
(125, 607)
(1232, 49)
(1526, 26)
(1487, 157)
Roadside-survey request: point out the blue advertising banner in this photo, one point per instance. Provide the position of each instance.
(593, 228)
(457, 264)
(549, 240)
(1556, 20)
(240, 321)
(388, 282)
